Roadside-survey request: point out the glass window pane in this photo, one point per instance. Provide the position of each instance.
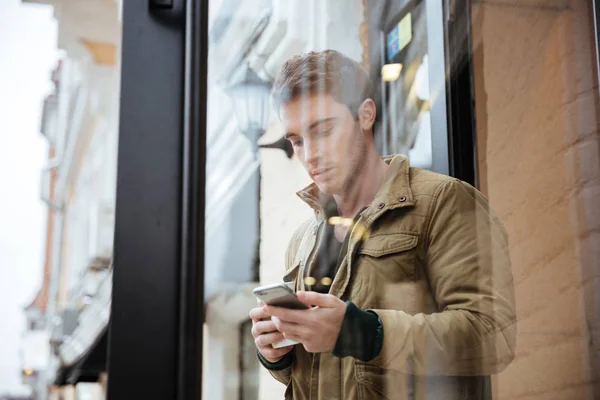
(405, 78)
(454, 291)
(480, 293)
(262, 152)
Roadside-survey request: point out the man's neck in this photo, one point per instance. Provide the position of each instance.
(364, 188)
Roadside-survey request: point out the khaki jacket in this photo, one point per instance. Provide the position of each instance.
(435, 267)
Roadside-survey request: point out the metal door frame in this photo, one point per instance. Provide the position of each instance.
(155, 331)
(460, 90)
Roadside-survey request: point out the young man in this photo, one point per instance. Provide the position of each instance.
(406, 272)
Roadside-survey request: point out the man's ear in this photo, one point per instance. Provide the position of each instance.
(367, 112)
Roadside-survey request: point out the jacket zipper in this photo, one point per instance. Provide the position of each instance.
(309, 262)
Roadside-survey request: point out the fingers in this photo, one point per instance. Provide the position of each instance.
(274, 355)
(259, 313)
(289, 315)
(291, 330)
(261, 327)
(264, 344)
(317, 299)
(267, 339)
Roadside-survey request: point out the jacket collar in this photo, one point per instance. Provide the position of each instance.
(394, 192)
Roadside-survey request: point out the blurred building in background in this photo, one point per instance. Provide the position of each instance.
(64, 349)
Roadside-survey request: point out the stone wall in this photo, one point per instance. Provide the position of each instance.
(536, 95)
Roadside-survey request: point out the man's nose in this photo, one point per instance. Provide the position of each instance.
(311, 152)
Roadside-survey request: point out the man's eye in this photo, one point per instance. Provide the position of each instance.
(296, 143)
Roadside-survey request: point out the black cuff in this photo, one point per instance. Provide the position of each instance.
(285, 362)
(361, 335)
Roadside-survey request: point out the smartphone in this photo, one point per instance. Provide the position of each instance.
(280, 295)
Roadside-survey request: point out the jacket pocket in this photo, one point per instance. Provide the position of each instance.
(391, 255)
(385, 244)
(374, 382)
(385, 275)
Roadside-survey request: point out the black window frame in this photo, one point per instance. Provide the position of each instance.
(157, 312)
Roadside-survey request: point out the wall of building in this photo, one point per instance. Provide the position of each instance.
(83, 132)
(537, 132)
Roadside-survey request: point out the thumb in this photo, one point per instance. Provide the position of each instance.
(316, 299)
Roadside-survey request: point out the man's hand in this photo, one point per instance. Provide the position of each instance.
(265, 334)
(317, 328)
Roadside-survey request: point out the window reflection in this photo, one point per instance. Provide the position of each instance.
(252, 184)
(521, 114)
(406, 94)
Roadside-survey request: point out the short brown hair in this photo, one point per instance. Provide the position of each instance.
(323, 72)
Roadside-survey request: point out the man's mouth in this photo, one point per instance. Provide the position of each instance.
(320, 173)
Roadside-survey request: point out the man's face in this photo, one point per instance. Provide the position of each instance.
(327, 140)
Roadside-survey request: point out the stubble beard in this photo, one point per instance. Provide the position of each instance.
(356, 166)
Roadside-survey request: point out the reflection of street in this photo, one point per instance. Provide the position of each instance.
(69, 317)
(408, 128)
(243, 38)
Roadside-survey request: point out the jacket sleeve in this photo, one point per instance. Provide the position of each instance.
(284, 375)
(468, 266)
